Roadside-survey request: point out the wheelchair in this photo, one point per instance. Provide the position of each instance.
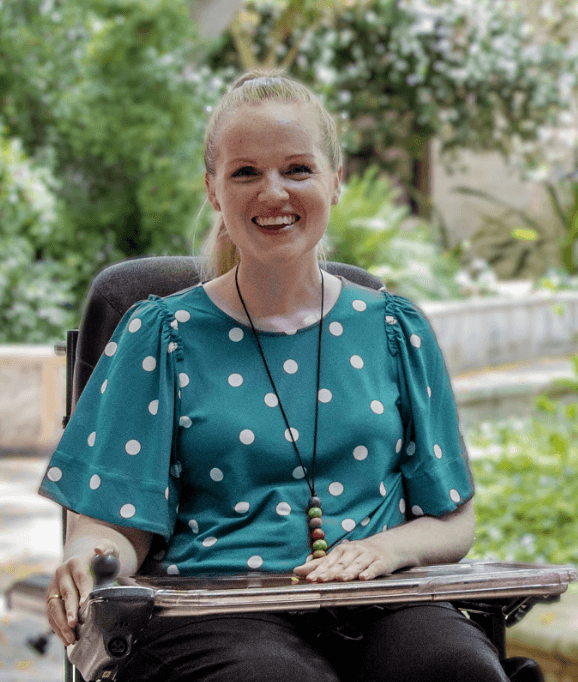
(494, 595)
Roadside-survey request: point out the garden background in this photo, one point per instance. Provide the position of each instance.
(103, 104)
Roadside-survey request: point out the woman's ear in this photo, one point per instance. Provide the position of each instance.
(210, 185)
(337, 187)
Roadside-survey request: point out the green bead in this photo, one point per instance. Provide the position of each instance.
(319, 546)
(319, 554)
(314, 513)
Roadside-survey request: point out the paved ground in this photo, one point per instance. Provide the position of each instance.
(29, 543)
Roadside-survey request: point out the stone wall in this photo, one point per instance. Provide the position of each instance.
(32, 398)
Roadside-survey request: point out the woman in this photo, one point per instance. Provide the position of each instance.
(227, 429)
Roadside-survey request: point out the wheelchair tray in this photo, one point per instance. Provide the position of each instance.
(254, 591)
(113, 618)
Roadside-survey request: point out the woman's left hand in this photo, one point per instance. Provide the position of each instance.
(361, 559)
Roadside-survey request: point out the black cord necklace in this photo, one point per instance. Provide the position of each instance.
(317, 540)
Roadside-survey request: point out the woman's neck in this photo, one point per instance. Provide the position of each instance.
(283, 300)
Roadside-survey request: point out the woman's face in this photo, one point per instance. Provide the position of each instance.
(272, 183)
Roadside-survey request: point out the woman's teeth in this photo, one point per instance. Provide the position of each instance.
(276, 220)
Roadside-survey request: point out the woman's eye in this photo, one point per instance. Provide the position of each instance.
(300, 170)
(244, 172)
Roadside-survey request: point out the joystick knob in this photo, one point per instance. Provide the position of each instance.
(105, 568)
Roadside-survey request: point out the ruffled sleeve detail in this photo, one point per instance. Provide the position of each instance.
(117, 458)
(434, 460)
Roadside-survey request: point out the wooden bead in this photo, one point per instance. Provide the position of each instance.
(315, 523)
(314, 512)
(319, 553)
(317, 534)
(319, 545)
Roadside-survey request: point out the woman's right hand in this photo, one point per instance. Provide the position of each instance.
(72, 583)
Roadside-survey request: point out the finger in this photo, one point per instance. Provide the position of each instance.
(57, 609)
(306, 568)
(70, 595)
(84, 583)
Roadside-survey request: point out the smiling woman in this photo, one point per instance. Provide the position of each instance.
(301, 422)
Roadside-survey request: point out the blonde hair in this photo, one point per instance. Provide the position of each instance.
(256, 87)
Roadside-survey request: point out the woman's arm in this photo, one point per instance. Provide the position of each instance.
(423, 541)
(73, 579)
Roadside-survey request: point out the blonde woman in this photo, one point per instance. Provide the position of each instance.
(273, 418)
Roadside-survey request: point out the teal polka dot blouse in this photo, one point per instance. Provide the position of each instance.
(179, 432)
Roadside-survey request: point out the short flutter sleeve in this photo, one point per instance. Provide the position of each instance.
(116, 460)
(434, 461)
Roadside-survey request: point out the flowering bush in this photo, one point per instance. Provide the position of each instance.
(34, 296)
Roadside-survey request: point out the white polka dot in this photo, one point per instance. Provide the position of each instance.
(104, 385)
(402, 506)
(246, 436)
(154, 406)
(182, 316)
(159, 556)
(290, 332)
(415, 340)
(428, 392)
(94, 482)
(177, 470)
(172, 347)
(398, 445)
(336, 328)
(377, 407)
(365, 521)
(290, 366)
(209, 542)
(382, 490)
(132, 447)
(390, 319)
(183, 379)
(416, 511)
(438, 451)
(335, 488)
(92, 438)
(110, 349)
(299, 473)
(410, 448)
(384, 528)
(455, 496)
(194, 525)
(216, 474)
(149, 363)
(242, 507)
(54, 474)
(127, 511)
(359, 305)
(271, 400)
(325, 395)
(173, 569)
(255, 561)
(174, 324)
(167, 491)
(360, 452)
(135, 325)
(235, 380)
(356, 361)
(291, 432)
(185, 422)
(283, 509)
(236, 334)
(348, 525)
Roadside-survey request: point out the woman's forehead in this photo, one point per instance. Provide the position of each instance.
(284, 127)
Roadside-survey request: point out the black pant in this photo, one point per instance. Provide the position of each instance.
(409, 643)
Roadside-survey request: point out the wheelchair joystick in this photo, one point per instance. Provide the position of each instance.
(105, 568)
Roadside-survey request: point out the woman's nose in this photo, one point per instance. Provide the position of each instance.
(273, 188)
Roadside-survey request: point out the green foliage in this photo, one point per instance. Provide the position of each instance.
(527, 487)
(369, 228)
(34, 297)
(105, 95)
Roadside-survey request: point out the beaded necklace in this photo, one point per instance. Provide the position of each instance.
(317, 540)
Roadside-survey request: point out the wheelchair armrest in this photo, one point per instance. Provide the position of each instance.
(110, 623)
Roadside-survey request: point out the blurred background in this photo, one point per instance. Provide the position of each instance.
(459, 125)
